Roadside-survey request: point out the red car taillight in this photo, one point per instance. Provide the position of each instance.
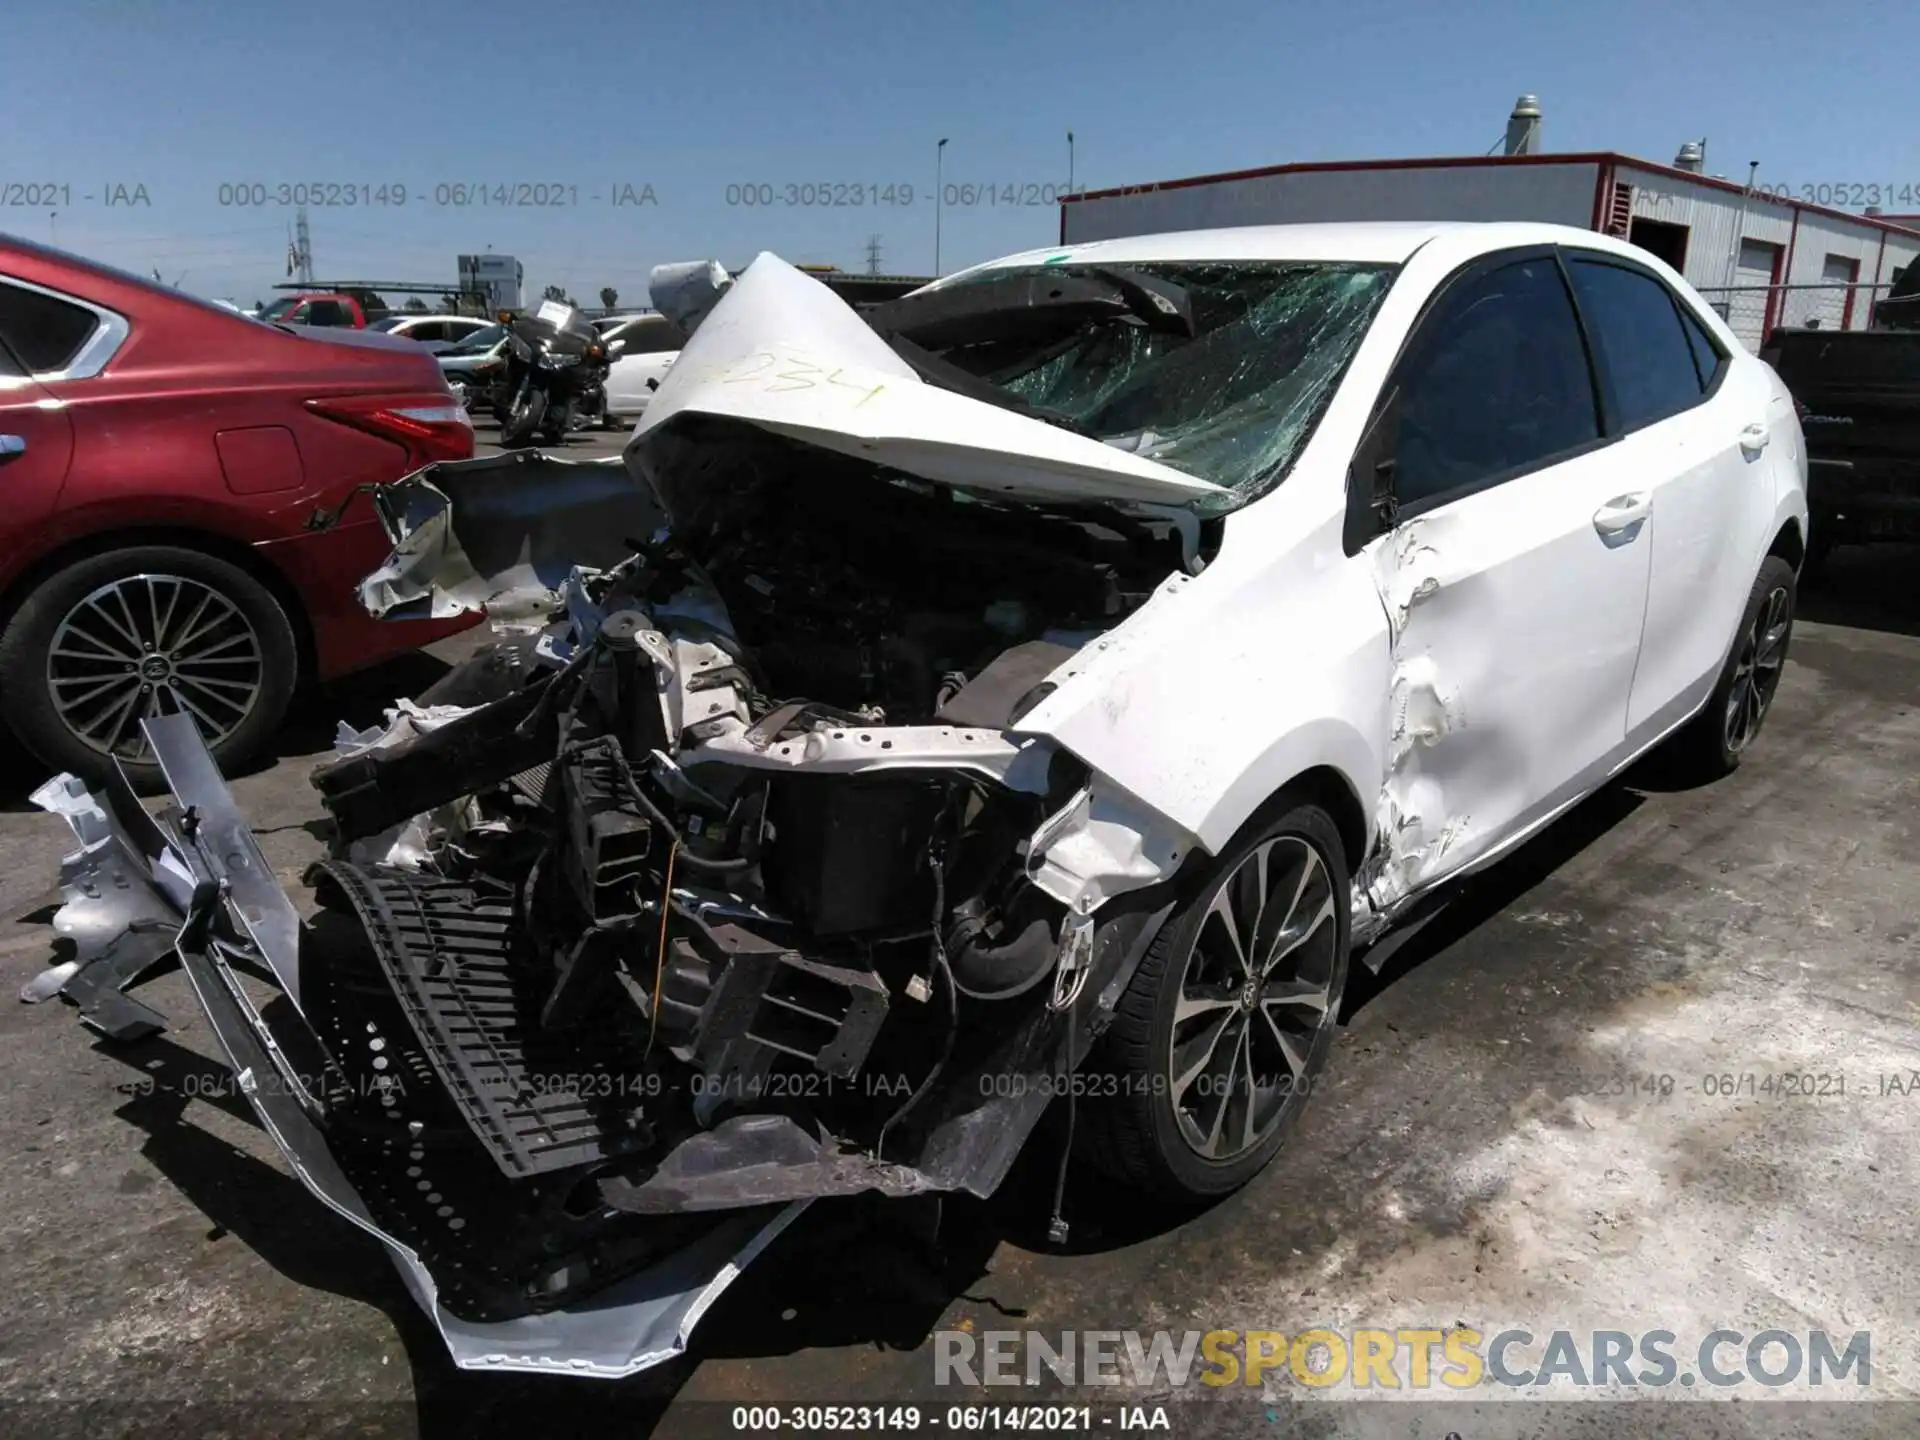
(431, 428)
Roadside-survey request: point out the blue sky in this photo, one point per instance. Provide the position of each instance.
(182, 96)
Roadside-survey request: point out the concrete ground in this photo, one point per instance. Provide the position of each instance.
(1486, 1153)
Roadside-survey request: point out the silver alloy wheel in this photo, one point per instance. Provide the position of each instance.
(1255, 995)
(153, 645)
(1756, 673)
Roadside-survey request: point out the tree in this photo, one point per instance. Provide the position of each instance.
(609, 297)
(415, 305)
(557, 292)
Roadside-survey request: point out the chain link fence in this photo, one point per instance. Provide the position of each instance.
(1754, 310)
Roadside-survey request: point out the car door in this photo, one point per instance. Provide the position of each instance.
(1514, 572)
(1694, 429)
(651, 344)
(39, 333)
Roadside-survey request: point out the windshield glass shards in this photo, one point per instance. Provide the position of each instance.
(1220, 369)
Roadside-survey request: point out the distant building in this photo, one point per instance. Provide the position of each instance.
(1760, 261)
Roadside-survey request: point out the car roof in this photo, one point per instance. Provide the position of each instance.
(1382, 242)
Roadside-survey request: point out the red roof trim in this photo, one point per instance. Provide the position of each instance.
(1602, 158)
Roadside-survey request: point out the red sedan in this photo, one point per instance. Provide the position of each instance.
(167, 473)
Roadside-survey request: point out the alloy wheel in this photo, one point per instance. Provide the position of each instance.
(1756, 672)
(151, 645)
(1256, 995)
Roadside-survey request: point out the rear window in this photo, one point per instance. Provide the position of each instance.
(1635, 325)
(43, 330)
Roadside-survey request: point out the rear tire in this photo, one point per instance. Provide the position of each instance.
(1713, 742)
(198, 633)
(1185, 1119)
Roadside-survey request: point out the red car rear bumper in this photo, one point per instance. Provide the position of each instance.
(326, 567)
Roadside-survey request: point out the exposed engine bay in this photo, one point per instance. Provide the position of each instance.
(650, 951)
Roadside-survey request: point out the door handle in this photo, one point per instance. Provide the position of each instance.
(12, 447)
(1621, 516)
(1754, 438)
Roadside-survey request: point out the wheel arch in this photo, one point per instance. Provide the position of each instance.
(234, 552)
(1790, 544)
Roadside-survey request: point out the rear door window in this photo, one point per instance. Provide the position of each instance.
(327, 312)
(1707, 358)
(1641, 346)
(46, 332)
(1497, 384)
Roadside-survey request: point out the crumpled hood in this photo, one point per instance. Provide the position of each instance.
(784, 353)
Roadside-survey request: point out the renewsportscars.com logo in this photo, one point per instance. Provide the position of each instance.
(1375, 1361)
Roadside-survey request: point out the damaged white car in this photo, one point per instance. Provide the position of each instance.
(1065, 668)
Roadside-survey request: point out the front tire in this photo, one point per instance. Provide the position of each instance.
(523, 417)
(1226, 1025)
(147, 630)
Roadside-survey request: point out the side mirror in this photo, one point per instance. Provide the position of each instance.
(614, 347)
(1372, 508)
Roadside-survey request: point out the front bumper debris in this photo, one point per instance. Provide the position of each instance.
(192, 885)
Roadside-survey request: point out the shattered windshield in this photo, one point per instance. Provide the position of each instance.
(1235, 403)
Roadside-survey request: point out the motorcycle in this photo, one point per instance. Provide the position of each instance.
(556, 373)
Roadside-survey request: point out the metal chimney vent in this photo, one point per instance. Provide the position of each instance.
(1692, 156)
(1523, 126)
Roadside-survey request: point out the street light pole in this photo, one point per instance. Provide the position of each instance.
(939, 156)
(1069, 162)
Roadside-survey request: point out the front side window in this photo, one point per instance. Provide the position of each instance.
(649, 335)
(1496, 384)
(46, 332)
(1638, 339)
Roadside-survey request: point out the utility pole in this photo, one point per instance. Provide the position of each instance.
(1069, 162)
(939, 155)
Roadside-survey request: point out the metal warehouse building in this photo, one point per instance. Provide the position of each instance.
(1760, 260)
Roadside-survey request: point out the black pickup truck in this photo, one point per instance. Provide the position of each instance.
(1858, 392)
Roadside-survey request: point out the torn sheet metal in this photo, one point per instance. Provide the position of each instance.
(633, 1324)
(118, 923)
(782, 352)
(1102, 843)
(502, 534)
(227, 848)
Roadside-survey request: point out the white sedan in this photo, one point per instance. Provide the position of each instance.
(1068, 666)
(433, 330)
(648, 346)
(1463, 519)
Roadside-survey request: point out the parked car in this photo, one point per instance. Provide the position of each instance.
(436, 330)
(329, 309)
(1064, 668)
(475, 365)
(164, 463)
(648, 346)
(1859, 398)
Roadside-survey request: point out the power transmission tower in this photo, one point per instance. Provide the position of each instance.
(303, 247)
(873, 254)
